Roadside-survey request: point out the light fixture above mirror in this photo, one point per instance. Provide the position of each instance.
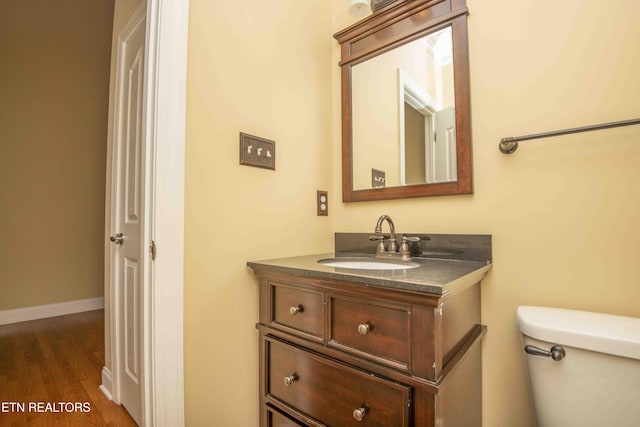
(359, 8)
(406, 126)
(376, 5)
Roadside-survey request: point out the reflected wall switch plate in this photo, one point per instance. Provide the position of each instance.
(323, 203)
(378, 178)
(256, 151)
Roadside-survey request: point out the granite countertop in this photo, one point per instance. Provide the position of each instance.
(433, 276)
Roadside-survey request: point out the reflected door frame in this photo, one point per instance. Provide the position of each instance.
(411, 93)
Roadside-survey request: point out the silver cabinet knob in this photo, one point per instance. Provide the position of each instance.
(290, 379)
(295, 310)
(358, 414)
(363, 328)
(118, 239)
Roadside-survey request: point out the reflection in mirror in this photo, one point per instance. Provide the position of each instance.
(403, 115)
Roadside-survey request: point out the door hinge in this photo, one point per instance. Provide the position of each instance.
(153, 250)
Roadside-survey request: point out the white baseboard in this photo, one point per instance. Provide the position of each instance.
(107, 383)
(50, 310)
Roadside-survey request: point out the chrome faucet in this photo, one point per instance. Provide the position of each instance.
(379, 236)
(391, 250)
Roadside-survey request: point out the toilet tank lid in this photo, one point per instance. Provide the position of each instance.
(605, 333)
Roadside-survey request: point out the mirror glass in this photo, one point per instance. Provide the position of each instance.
(403, 115)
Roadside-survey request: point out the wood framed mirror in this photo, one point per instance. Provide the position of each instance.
(406, 119)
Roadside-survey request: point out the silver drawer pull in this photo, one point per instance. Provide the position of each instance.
(557, 353)
(290, 379)
(364, 328)
(296, 309)
(358, 414)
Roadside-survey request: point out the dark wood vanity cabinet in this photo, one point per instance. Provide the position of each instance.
(338, 353)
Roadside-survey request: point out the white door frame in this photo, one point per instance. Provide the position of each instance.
(410, 92)
(164, 133)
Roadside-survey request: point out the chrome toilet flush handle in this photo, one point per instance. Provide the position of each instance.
(557, 353)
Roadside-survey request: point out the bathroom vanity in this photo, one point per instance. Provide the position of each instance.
(344, 341)
(349, 346)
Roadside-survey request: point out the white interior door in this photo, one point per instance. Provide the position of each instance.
(128, 225)
(164, 119)
(444, 146)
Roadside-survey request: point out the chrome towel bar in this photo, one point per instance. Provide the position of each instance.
(509, 144)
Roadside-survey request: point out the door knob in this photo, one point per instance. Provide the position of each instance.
(118, 239)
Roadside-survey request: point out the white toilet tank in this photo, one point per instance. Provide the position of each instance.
(597, 381)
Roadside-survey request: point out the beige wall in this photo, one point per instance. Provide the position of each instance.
(122, 11)
(262, 68)
(564, 212)
(53, 126)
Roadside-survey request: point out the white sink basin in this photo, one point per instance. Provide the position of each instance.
(368, 264)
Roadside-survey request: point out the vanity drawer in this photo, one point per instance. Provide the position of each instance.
(374, 329)
(333, 393)
(276, 419)
(297, 308)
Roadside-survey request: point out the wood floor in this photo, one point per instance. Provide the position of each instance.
(51, 366)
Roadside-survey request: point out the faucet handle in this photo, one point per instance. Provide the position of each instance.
(412, 245)
(405, 250)
(380, 245)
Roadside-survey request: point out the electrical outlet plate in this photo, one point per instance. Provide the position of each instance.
(258, 152)
(322, 203)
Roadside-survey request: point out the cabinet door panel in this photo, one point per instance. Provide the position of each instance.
(333, 393)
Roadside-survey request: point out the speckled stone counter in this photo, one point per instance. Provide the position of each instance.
(433, 276)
